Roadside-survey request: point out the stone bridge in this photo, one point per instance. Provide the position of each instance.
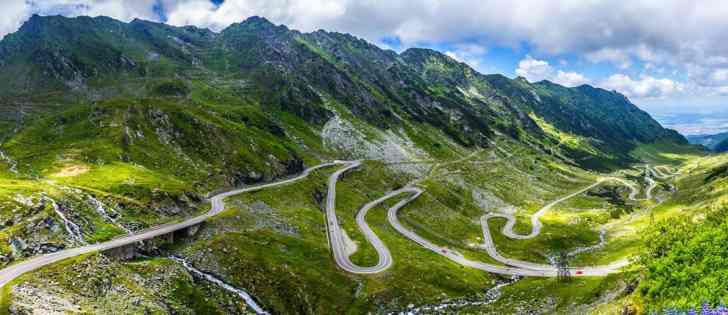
(134, 250)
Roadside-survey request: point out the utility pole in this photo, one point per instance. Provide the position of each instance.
(562, 266)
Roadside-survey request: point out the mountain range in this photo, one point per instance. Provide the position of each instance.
(256, 63)
(110, 128)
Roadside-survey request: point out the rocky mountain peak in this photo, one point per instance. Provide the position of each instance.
(256, 24)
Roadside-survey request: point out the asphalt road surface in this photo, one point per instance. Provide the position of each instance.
(11, 272)
(336, 239)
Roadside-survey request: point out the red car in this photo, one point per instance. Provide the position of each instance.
(579, 272)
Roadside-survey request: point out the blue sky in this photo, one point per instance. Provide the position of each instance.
(666, 56)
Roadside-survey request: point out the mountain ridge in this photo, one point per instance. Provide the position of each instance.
(114, 128)
(380, 79)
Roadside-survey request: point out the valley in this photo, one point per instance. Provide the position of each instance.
(175, 170)
(495, 263)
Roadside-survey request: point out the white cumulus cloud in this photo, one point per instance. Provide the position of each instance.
(122, 10)
(535, 70)
(570, 78)
(618, 57)
(643, 87)
(12, 14)
(471, 54)
(306, 15)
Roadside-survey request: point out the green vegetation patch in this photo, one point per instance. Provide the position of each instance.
(685, 263)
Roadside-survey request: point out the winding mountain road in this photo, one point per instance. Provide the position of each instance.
(336, 238)
(513, 266)
(335, 234)
(11, 272)
(536, 217)
(536, 224)
(658, 173)
(452, 254)
(507, 229)
(338, 245)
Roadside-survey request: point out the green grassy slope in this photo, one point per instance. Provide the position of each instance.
(149, 119)
(683, 255)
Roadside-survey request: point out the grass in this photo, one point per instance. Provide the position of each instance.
(369, 182)
(555, 237)
(279, 252)
(303, 259)
(667, 153)
(419, 275)
(281, 255)
(124, 179)
(569, 140)
(6, 298)
(214, 126)
(286, 272)
(196, 299)
(552, 296)
(679, 253)
(144, 155)
(96, 284)
(448, 215)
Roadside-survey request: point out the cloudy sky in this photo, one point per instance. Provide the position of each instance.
(667, 56)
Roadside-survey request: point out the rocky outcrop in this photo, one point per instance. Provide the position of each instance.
(389, 147)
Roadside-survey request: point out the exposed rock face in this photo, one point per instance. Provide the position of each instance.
(489, 202)
(249, 300)
(31, 300)
(184, 107)
(388, 147)
(103, 285)
(489, 297)
(12, 164)
(18, 246)
(171, 204)
(300, 74)
(72, 229)
(123, 253)
(268, 218)
(293, 166)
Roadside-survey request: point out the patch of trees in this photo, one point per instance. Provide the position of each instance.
(685, 262)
